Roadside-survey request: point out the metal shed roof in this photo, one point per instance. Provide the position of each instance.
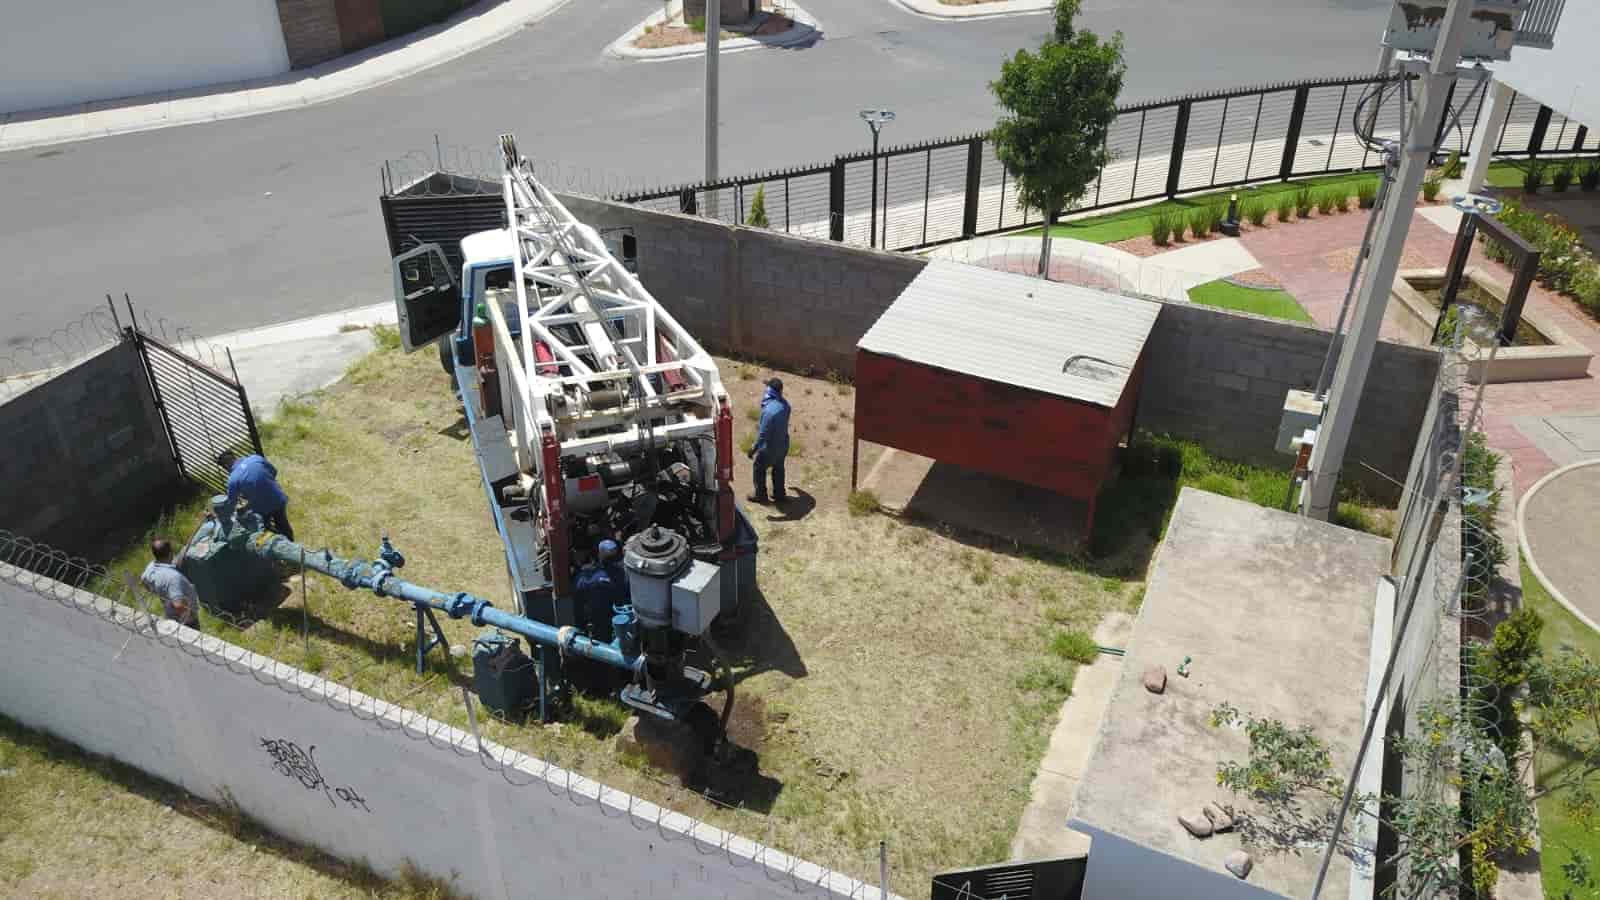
(1062, 339)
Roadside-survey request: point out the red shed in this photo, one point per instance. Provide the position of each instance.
(1029, 380)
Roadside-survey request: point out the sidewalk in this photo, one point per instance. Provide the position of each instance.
(468, 30)
(279, 362)
(981, 9)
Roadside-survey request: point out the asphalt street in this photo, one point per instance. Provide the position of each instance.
(260, 220)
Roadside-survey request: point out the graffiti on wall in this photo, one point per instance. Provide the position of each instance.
(290, 761)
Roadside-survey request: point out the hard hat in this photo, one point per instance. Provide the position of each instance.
(609, 548)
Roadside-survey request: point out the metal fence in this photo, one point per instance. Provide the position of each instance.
(952, 189)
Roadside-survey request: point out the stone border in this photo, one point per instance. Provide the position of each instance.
(1565, 358)
(805, 29)
(994, 9)
(1527, 551)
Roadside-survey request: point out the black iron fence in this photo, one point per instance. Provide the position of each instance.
(952, 189)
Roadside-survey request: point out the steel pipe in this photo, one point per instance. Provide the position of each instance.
(378, 577)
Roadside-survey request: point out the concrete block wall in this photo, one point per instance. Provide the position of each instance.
(84, 451)
(359, 778)
(1220, 378)
(796, 302)
(1214, 376)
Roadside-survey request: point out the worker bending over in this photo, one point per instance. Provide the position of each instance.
(179, 600)
(256, 480)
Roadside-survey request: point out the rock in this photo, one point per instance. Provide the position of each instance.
(1195, 823)
(1239, 863)
(1155, 679)
(1221, 819)
(668, 746)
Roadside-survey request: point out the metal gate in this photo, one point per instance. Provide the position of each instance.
(1046, 879)
(205, 411)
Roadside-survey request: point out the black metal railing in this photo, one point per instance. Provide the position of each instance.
(952, 189)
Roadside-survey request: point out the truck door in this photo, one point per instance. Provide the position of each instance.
(426, 296)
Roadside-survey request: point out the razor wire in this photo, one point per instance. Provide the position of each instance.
(76, 584)
(30, 362)
(1443, 596)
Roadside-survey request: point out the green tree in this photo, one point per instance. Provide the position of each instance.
(758, 209)
(1059, 103)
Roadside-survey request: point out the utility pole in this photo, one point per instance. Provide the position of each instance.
(713, 48)
(1412, 156)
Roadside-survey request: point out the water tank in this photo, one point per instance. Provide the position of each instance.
(653, 558)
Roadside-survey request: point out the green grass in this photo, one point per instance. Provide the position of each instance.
(1131, 223)
(1559, 834)
(1075, 646)
(1131, 515)
(1222, 294)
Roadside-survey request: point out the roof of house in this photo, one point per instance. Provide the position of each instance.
(1274, 613)
(1061, 339)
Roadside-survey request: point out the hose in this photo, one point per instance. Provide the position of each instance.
(727, 687)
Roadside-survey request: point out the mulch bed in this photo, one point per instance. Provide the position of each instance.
(1256, 278)
(680, 35)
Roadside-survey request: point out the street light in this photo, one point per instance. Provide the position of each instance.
(875, 119)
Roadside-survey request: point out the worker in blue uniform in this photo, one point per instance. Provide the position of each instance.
(772, 443)
(256, 480)
(601, 586)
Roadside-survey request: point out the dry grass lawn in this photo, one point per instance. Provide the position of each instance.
(896, 680)
(81, 826)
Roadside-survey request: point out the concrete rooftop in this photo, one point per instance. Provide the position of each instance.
(1276, 612)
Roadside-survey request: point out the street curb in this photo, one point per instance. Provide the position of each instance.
(105, 118)
(1527, 552)
(359, 318)
(806, 29)
(939, 12)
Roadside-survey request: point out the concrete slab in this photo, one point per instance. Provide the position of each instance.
(1043, 831)
(919, 487)
(1447, 218)
(1566, 439)
(273, 372)
(1275, 615)
(1207, 261)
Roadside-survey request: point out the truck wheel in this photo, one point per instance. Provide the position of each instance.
(447, 359)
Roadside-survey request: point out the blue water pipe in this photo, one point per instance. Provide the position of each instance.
(378, 577)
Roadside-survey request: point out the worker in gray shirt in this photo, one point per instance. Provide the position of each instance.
(179, 600)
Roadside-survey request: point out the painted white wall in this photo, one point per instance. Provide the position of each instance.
(96, 675)
(58, 52)
(1120, 869)
(1566, 78)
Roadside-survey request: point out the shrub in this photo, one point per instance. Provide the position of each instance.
(1430, 189)
(1074, 645)
(1200, 223)
(1304, 200)
(758, 209)
(862, 503)
(1285, 208)
(1533, 177)
(1589, 174)
(1452, 166)
(1161, 228)
(698, 24)
(1561, 178)
(1213, 218)
(1256, 212)
(1326, 201)
(1367, 195)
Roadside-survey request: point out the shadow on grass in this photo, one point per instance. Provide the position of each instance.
(759, 643)
(798, 505)
(224, 818)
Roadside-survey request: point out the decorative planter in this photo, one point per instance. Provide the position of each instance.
(1563, 358)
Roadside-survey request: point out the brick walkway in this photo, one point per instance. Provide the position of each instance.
(1313, 260)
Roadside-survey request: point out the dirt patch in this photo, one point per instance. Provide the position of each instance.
(1256, 278)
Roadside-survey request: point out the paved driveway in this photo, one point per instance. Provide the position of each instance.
(260, 220)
